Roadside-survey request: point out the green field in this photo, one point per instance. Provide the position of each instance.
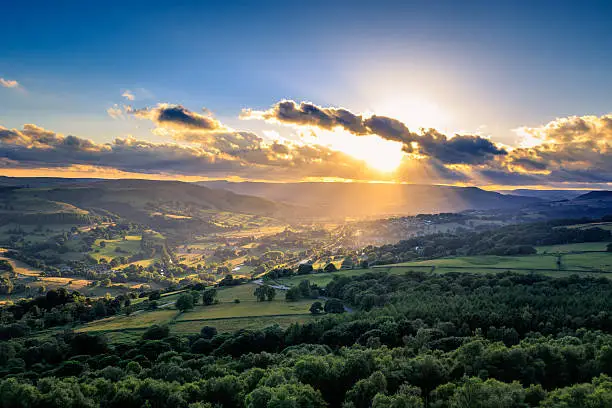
(129, 246)
(225, 316)
(602, 225)
(575, 258)
(321, 279)
(572, 261)
(230, 325)
(583, 246)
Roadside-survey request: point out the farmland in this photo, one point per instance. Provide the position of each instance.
(227, 315)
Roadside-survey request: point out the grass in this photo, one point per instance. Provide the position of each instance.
(246, 309)
(321, 279)
(602, 225)
(510, 262)
(230, 325)
(20, 267)
(583, 246)
(135, 321)
(129, 246)
(225, 316)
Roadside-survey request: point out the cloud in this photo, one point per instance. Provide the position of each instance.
(115, 112)
(129, 95)
(470, 149)
(7, 83)
(177, 117)
(574, 150)
(239, 154)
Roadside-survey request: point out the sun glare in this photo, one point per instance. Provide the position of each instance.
(381, 155)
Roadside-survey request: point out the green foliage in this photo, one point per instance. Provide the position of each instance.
(209, 296)
(184, 302)
(333, 306)
(264, 292)
(156, 332)
(316, 308)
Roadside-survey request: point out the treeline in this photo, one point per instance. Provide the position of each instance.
(418, 340)
(517, 239)
(57, 308)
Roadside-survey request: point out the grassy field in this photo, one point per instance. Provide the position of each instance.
(583, 246)
(602, 225)
(230, 325)
(225, 316)
(129, 246)
(135, 321)
(20, 267)
(321, 279)
(575, 258)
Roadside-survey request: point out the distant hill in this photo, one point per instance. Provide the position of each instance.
(131, 197)
(376, 199)
(175, 207)
(550, 195)
(33, 182)
(595, 195)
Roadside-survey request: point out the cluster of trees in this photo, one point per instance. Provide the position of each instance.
(440, 341)
(57, 308)
(187, 300)
(518, 239)
(304, 290)
(264, 292)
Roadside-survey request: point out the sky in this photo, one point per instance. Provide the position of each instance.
(494, 94)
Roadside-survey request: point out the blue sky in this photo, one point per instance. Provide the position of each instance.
(483, 67)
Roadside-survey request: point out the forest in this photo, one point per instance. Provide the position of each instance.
(414, 340)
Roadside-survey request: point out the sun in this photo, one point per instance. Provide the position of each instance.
(380, 155)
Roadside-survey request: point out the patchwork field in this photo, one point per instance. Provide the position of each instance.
(225, 316)
(585, 259)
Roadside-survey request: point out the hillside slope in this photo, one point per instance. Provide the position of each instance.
(362, 199)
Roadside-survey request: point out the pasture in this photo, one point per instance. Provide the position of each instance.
(225, 315)
(112, 248)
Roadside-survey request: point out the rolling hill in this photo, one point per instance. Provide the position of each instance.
(365, 199)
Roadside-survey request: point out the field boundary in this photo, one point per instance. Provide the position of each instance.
(241, 317)
(496, 268)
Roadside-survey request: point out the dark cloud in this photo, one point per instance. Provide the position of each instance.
(177, 117)
(458, 149)
(309, 114)
(240, 154)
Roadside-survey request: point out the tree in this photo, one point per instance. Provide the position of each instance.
(156, 332)
(293, 294)
(609, 247)
(304, 269)
(196, 296)
(155, 295)
(330, 267)
(271, 293)
(305, 288)
(209, 296)
(208, 332)
(334, 306)
(263, 292)
(184, 302)
(316, 308)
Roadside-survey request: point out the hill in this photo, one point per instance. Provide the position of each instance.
(172, 206)
(595, 195)
(376, 199)
(551, 195)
